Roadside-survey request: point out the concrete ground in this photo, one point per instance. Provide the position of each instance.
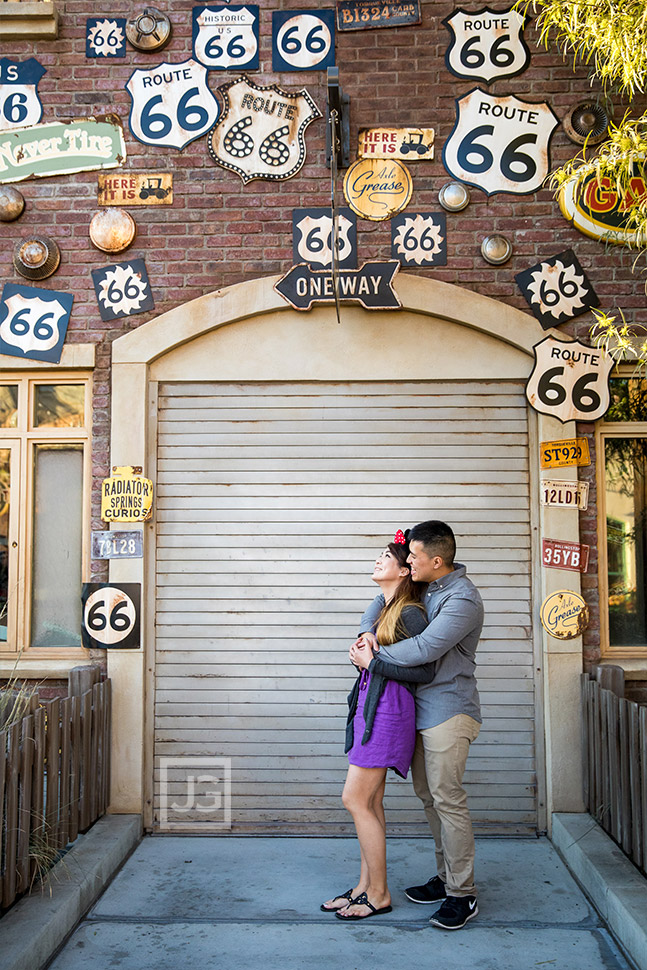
(252, 903)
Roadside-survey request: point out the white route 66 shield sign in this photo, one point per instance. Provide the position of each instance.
(20, 105)
(569, 381)
(226, 37)
(172, 104)
(500, 144)
(261, 132)
(486, 44)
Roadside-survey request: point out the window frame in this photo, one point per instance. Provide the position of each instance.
(612, 429)
(27, 437)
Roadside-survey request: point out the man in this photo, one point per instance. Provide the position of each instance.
(448, 716)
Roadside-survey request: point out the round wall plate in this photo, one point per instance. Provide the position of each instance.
(454, 196)
(586, 122)
(12, 203)
(149, 31)
(36, 258)
(112, 230)
(496, 249)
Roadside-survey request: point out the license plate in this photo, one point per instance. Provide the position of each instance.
(569, 451)
(565, 495)
(117, 545)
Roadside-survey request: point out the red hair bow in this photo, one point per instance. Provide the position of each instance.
(398, 538)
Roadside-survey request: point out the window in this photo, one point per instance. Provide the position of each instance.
(45, 476)
(622, 454)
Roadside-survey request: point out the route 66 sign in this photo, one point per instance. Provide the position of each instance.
(419, 239)
(122, 289)
(500, 144)
(312, 237)
(111, 615)
(303, 40)
(226, 37)
(33, 321)
(486, 44)
(172, 104)
(557, 289)
(19, 102)
(261, 133)
(569, 381)
(105, 37)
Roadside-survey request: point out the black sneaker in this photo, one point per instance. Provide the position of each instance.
(432, 891)
(455, 912)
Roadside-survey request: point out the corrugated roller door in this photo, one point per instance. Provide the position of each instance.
(272, 502)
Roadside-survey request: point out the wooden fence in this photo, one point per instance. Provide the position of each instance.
(54, 779)
(615, 761)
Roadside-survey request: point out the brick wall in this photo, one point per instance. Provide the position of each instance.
(218, 232)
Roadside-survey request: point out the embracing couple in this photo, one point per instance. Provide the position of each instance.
(415, 704)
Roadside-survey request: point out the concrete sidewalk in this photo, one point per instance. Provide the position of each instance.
(253, 904)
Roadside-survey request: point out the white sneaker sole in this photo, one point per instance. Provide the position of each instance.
(425, 902)
(443, 927)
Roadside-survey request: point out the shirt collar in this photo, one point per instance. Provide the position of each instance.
(458, 572)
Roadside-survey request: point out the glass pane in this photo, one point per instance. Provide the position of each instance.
(628, 399)
(56, 580)
(59, 405)
(8, 405)
(5, 481)
(626, 502)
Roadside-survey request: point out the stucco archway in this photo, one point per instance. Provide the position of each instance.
(500, 341)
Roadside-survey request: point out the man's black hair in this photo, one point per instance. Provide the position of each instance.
(437, 538)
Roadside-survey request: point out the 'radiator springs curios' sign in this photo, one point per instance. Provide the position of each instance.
(126, 496)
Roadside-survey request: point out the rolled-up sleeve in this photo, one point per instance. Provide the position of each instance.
(458, 617)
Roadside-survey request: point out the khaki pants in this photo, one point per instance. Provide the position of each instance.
(437, 772)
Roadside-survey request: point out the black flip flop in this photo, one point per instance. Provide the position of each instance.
(347, 895)
(362, 900)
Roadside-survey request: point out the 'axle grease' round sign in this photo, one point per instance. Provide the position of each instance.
(564, 614)
(377, 188)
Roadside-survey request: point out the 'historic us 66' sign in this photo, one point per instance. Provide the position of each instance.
(487, 44)
(226, 38)
(172, 104)
(500, 144)
(569, 380)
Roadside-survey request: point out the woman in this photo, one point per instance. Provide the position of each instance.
(380, 731)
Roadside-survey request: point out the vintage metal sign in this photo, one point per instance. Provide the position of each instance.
(486, 44)
(376, 189)
(500, 144)
(303, 40)
(111, 615)
(598, 210)
(371, 286)
(414, 144)
(226, 38)
(569, 380)
(61, 147)
(105, 37)
(565, 495)
(557, 554)
(565, 452)
(172, 104)
(126, 496)
(364, 14)
(117, 545)
(136, 188)
(557, 289)
(564, 615)
(420, 239)
(261, 132)
(19, 102)
(122, 289)
(312, 231)
(33, 322)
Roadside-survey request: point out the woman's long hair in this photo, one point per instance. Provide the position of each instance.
(390, 627)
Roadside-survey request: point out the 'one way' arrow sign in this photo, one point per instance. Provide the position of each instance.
(371, 285)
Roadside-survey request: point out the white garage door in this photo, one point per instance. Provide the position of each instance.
(272, 502)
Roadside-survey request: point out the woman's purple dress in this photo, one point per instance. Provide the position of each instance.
(393, 737)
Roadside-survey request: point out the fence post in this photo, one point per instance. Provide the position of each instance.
(83, 678)
(611, 677)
